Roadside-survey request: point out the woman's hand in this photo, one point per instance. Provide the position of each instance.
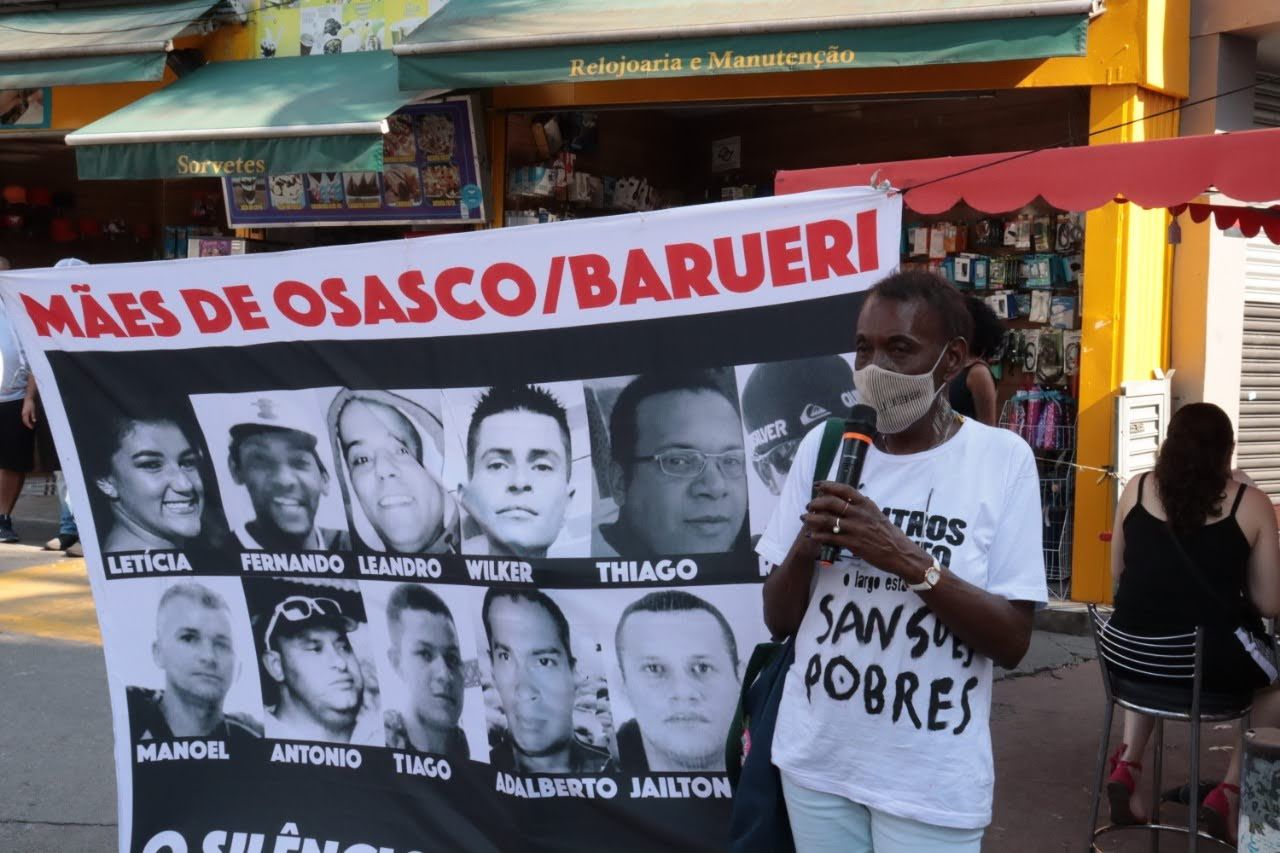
(864, 531)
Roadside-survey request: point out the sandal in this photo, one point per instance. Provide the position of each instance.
(1120, 788)
(1215, 812)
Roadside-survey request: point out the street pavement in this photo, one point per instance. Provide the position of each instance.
(57, 780)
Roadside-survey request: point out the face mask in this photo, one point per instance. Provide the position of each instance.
(900, 399)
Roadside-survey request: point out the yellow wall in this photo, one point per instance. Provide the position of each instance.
(76, 106)
(1124, 317)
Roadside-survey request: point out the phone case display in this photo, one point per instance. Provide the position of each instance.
(556, 187)
(430, 174)
(1026, 267)
(1045, 418)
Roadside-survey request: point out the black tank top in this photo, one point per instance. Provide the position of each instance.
(959, 395)
(1157, 597)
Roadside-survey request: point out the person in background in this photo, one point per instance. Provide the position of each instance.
(1192, 516)
(68, 538)
(17, 439)
(973, 391)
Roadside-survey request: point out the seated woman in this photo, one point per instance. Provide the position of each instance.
(148, 472)
(1191, 516)
(972, 392)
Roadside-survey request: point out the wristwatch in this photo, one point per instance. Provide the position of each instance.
(932, 575)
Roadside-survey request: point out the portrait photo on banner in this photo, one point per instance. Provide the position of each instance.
(674, 660)
(669, 463)
(275, 468)
(315, 655)
(191, 667)
(391, 453)
(520, 461)
(542, 670)
(429, 667)
(148, 472)
(781, 402)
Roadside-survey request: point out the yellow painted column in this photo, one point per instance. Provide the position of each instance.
(1125, 321)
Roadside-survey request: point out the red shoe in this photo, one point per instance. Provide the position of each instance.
(1215, 812)
(1120, 787)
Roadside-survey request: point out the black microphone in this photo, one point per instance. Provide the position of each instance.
(859, 433)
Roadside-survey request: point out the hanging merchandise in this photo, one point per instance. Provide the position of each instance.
(89, 227)
(62, 230)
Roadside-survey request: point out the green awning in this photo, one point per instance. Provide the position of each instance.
(484, 43)
(105, 44)
(322, 113)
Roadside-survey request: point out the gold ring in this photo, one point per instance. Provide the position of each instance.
(836, 528)
(845, 511)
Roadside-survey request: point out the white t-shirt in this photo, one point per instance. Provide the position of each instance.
(13, 364)
(883, 706)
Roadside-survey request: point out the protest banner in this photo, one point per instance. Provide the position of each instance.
(446, 543)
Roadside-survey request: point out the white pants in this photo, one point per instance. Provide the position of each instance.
(828, 823)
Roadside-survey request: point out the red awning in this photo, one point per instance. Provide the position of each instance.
(1250, 220)
(1163, 173)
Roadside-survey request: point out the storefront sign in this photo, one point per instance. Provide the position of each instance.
(619, 66)
(429, 173)
(523, 52)
(367, 574)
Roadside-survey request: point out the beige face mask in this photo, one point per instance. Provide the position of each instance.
(900, 399)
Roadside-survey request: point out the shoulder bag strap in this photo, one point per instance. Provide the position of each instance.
(832, 432)
(1234, 615)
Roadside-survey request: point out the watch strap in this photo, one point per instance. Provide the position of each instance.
(934, 571)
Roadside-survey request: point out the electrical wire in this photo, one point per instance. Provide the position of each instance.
(1019, 155)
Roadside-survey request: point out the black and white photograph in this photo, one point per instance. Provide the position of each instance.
(272, 456)
(191, 671)
(670, 463)
(781, 402)
(521, 461)
(250, 193)
(287, 192)
(675, 670)
(150, 477)
(390, 447)
(429, 669)
(315, 660)
(546, 695)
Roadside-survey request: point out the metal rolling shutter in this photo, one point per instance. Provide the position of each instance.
(1266, 101)
(1258, 445)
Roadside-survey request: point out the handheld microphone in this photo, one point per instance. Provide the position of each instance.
(859, 433)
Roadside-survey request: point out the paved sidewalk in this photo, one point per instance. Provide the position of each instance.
(57, 778)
